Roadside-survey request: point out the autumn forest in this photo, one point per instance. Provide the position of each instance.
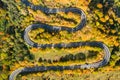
(103, 24)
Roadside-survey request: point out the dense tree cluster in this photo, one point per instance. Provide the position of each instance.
(103, 24)
(71, 57)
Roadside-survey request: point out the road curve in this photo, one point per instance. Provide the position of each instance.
(50, 28)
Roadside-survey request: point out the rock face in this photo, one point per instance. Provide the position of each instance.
(60, 45)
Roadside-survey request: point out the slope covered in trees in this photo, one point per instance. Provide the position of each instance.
(103, 24)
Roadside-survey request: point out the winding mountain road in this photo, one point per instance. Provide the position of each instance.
(50, 28)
